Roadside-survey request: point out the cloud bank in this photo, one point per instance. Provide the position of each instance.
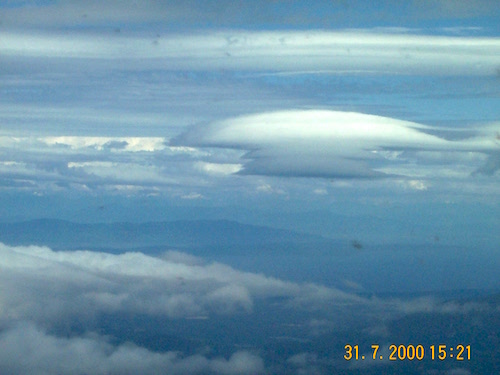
(98, 282)
(44, 291)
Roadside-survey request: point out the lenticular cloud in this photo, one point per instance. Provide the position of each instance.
(322, 143)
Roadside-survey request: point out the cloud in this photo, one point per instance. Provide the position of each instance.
(47, 295)
(192, 196)
(44, 293)
(110, 14)
(414, 184)
(133, 144)
(433, 305)
(90, 162)
(29, 349)
(217, 168)
(289, 143)
(46, 286)
(53, 309)
(105, 131)
(330, 144)
(339, 52)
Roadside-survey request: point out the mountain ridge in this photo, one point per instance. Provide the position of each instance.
(64, 234)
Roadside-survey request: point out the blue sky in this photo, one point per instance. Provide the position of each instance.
(365, 121)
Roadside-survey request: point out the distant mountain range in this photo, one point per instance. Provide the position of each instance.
(61, 234)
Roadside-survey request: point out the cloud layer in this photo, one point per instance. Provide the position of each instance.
(358, 52)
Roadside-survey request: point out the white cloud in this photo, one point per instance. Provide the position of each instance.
(111, 163)
(74, 119)
(432, 305)
(320, 191)
(268, 189)
(322, 143)
(28, 349)
(192, 196)
(217, 169)
(48, 285)
(352, 285)
(419, 185)
(43, 291)
(132, 144)
(240, 363)
(133, 174)
(74, 13)
(365, 51)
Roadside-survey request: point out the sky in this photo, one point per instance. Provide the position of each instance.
(372, 123)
